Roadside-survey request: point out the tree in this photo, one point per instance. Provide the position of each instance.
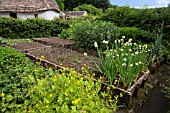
(89, 8)
(70, 4)
(60, 4)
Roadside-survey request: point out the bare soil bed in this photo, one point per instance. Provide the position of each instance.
(56, 42)
(64, 57)
(24, 46)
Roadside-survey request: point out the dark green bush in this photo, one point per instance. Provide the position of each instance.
(30, 28)
(146, 18)
(86, 32)
(136, 34)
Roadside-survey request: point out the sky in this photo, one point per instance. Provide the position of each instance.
(141, 3)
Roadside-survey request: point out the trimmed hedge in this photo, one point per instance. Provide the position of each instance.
(30, 28)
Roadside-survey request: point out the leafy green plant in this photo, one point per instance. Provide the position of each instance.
(123, 56)
(157, 49)
(3, 41)
(26, 87)
(86, 32)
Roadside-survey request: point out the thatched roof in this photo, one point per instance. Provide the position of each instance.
(28, 5)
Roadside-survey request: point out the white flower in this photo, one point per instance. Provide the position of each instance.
(130, 50)
(105, 42)
(134, 44)
(121, 49)
(136, 53)
(131, 65)
(149, 50)
(130, 40)
(95, 45)
(117, 55)
(115, 41)
(124, 64)
(132, 54)
(113, 56)
(126, 54)
(123, 54)
(119, 41)
(125, 59)
(115, 51)
(136, 64)
(145, 46)
(126, 44)
(111, 50)
(85, 53)
(140, 62)
(123, 37)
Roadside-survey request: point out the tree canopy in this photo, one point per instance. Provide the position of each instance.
(89, 8)
(70, 4)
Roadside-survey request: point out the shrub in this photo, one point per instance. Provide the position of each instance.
(86, 32)
(25, 87)
(30, 28)
(136, 34)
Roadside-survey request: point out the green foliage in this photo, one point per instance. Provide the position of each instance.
(157, 48)
(30, 28)
(146, 19)
(26, 87)
(123, 56)
(136, 34)
(86, 32)
(60, 4)
(89, 8)
(102, 4)
(3, 41)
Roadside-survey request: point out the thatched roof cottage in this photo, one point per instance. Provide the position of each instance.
(23, 9)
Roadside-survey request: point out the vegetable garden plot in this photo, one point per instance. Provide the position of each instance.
(56, 42)
(63, 57)
(24, 46)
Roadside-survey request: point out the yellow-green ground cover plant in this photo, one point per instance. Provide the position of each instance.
(26, 87)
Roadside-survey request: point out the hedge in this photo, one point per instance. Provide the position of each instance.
(30, 28)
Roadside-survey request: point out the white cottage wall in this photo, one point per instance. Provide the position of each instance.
(24, 16)
(48, 15)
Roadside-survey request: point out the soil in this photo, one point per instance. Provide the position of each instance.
(55, 42)
(64, 57)
(26, 45)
